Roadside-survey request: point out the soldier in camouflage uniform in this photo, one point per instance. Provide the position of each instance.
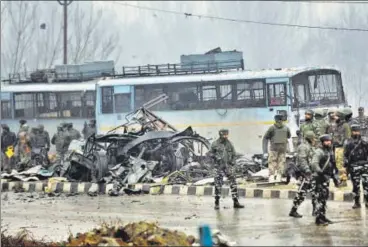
(362, 120)
(89, 129)
(304, 156)
(322, 169)
(341, 134)
(322, 125)
(309, 124)
(223, 153)
(59, 141)
(356, 161)
(331, 120)
(348, 115)
(278, 134)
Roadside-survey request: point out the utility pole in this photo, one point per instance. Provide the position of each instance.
(65, 5)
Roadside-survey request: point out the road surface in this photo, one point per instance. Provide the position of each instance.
(262, 222)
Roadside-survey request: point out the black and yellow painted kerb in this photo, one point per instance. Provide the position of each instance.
(158, 189)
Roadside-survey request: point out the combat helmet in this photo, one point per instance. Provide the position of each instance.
(325, 137)
(278, 117)
(319, 113)
(348, 112)
(340, 113)
(223, 132)
(355, 127)
(309, 135)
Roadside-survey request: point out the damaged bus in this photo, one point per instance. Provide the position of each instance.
(244, 102)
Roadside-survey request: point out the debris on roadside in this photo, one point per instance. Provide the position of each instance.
(133, 234)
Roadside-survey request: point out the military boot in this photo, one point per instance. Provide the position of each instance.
(320, 221)
(357, 203)
(217, 203)
(294, 213)
(327, 220)
(237, 204)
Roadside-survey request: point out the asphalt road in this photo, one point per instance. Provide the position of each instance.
(262, 222)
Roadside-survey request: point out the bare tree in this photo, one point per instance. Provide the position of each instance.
(90, 39)
(21, 16)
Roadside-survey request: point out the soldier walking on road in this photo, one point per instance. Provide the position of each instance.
(331, 120)
(223, 153)
(356, 162)
(322, 172)
(278, 134)
(362, 120)
(341, 134)
(304, 156)
(348, 115)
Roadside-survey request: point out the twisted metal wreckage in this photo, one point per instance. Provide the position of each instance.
(154, 152)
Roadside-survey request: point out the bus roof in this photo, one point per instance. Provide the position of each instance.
(235, 75)
(49, 87)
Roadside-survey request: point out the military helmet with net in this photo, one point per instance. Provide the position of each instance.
(309, 112)
(319, 113)
(309, 135)
(340, 113)
(223, 132)
(348, 111)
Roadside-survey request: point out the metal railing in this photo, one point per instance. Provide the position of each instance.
(182, 68)
(50, 75)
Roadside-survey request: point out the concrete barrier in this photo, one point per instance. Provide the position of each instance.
(158, 189)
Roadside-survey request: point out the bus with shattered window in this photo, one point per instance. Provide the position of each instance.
(244, 102)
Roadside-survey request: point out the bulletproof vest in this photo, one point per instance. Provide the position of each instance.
(39, 140)
(280, 135)
(59, 142)
(322, 126)
(322, 163)
(359, 151)
(307, 126)
(73, 133)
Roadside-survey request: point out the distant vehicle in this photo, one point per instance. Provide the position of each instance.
(244, 102)
(48, 103)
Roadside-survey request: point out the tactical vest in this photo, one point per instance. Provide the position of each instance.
(39, 141)
(280, 135)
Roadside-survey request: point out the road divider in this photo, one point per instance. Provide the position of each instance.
(56, 186)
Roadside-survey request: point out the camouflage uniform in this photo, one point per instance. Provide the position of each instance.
(45, 136)
(321, 124)
(59, 141)
(309, 124)
(89, 129)
(223, 153)
(341, 134)
(356, 160)
(331, 120)
(322, 172)
(304, 156)
(278, 134)
(362, 121)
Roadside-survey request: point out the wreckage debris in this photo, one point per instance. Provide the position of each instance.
(133, 234)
